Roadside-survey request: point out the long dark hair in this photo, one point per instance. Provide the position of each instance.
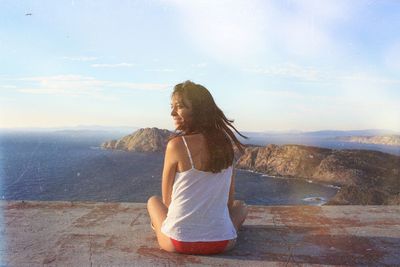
(209, 120)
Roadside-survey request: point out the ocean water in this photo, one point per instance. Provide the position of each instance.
(60, 166)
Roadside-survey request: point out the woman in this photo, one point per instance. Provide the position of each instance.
(197, 213)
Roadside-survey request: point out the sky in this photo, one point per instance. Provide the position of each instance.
(270, 65)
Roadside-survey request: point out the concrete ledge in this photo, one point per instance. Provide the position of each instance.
(118, 234)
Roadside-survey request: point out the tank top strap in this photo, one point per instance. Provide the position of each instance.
(188, 151)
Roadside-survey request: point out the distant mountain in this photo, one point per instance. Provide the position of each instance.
(104, 128)
(143, 140)
(327, 139)
(329, 133)
(323, 133)
(392, 140)
(375, 176)
(73, 129)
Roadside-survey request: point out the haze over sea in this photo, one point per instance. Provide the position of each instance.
(71, 166)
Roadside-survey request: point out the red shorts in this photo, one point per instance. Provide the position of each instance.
(204, 248)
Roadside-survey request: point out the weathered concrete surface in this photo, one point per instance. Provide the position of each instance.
(119, 234)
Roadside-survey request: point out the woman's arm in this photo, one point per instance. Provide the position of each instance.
(169, 170)
(232, 189)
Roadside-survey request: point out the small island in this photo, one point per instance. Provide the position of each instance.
(143, 140)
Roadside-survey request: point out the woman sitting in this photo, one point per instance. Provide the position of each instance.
(197, 213)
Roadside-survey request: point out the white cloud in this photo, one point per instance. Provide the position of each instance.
(64, 81)
(240, 31)
(304, 27)
(274, 94)
(200, 65)
(392, 56)
(324, 11)
(302, 37)
(160, 70)
(69, 85)
(115, 65)
(291, 71)
(367, 98)
(356, 100)
(227, 30)
(77, 85)
(81, 58)
(313, 74)
(7, 86)
(368, 79)
(140, 86)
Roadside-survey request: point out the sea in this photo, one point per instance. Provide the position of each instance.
(70, 166)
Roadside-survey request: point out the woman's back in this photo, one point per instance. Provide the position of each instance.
(198, 209)
(197, 145)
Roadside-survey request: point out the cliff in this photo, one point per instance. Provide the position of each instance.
(392, 140)
(143, 140)
(365, 177)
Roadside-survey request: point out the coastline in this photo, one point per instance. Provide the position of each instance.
(307, 180)
(313, 199)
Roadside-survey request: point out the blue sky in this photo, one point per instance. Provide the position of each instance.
(270, 65)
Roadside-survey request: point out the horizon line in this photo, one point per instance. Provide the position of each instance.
(94, 126)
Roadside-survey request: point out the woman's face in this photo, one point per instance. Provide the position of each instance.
(181, 111)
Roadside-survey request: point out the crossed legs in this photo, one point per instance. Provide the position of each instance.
(158, 212)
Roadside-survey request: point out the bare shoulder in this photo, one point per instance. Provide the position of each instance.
(174, 143)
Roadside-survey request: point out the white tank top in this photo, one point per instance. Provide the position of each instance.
(199, 206)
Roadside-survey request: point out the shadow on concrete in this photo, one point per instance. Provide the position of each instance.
(312, 245)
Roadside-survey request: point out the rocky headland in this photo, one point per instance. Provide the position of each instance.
(365, 177)
(143, 140)
(391, 140)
